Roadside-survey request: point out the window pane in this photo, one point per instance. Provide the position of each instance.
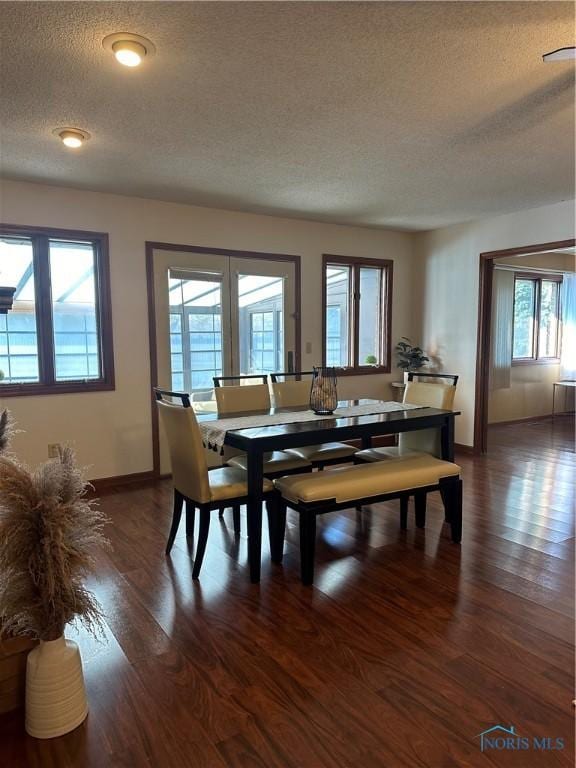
(370, 316)
(548, 332)
(76, 352)
(524, 303)
(18, 337)
(195, 339)
(338, 283)
(260, 301)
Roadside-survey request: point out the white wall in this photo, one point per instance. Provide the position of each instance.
(447, 272)
(112, 430)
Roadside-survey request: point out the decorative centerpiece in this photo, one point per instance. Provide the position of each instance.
(48, 531)
(323, 393)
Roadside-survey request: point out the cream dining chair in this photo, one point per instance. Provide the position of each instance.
(289, 394)
(434, 395)
(243, 399)
(192, 481)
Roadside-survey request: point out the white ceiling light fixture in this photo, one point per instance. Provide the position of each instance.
(128, 48)
(561, 54)
(73, 138)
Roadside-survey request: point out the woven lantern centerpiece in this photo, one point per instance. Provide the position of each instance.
(323, 393)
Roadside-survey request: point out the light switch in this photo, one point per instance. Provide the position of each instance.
(308, 347)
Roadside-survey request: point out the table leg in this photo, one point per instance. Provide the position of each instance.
(366, 442)
(254, 513)
(553, 399)
(447, 439)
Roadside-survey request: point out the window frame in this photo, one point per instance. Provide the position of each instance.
(355, 264)
(47, 385)
(535, 359)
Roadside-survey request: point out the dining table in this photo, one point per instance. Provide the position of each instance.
(257, 439)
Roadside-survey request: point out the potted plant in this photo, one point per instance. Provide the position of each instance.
(371, 360)
(409, 357)
(48, 531)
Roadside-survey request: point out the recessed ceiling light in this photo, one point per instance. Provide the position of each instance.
(561, 54)
(71, 137)
(129, 49)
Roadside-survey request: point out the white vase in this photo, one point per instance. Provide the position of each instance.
(55, 693)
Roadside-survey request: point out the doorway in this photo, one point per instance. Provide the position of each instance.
(483, 363)
(216, 312)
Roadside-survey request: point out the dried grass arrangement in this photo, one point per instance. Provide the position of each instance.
(48, 533)
(6, 431)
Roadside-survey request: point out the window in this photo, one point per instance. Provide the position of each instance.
(57, 337)
(357, 304)
(195, 330)
(536, 331)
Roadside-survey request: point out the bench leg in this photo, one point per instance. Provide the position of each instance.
(236, 518)
(420, 509)
(451, 490)
(176, 515)
(276, 509)
(202, 539)
(190, 515)
(307, 546)
(404, 512)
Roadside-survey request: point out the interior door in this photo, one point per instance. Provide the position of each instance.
(219, 316)
(263, 311)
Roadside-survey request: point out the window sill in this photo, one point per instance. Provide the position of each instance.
(365, 370)
(64, 388)
(538, 361)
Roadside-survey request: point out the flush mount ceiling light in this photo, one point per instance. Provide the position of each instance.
(71, 137)
(561, 54)
(129, 49)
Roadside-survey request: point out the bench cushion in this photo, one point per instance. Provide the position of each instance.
(366, 480)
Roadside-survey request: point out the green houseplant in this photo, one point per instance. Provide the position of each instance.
(409, 357)
(48, 531)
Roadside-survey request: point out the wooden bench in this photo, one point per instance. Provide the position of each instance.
(315, 494)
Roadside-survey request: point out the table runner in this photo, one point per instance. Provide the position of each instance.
(214, 432)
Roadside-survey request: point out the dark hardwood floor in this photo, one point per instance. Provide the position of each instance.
(406, 648)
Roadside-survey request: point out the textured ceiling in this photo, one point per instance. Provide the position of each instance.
(403, 115)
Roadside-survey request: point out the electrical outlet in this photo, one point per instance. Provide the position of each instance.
(54, 450)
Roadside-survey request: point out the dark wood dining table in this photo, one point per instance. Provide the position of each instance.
(256, 441)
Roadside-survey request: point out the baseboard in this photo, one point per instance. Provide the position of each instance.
(459, 448)
(523, 420)
(105, 483)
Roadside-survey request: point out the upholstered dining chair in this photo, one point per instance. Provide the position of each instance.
(236, 398)
(422, 441)
(294, 391)
(435, 394)
(193, 483)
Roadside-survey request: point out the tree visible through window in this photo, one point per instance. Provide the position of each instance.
(57, 336)
(536, 318)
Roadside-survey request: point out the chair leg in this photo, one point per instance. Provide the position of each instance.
(190, 518)
(276, 509)
(446, 504)
(202, 539)
(420, 509)
(221, 512)
(176, 515)
(404, 512)
(452, 497)
(307, 546)
(236, 518)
